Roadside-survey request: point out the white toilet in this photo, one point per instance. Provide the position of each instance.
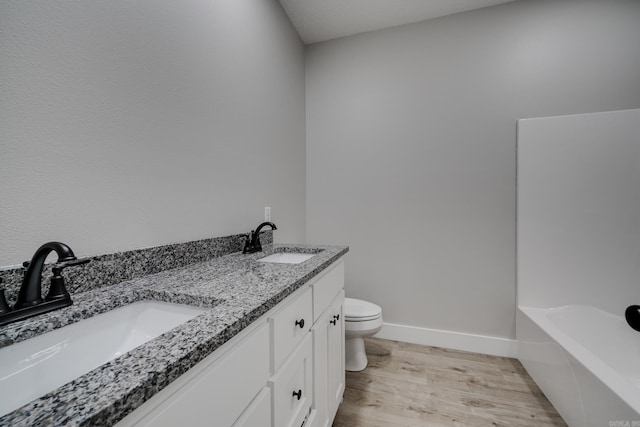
(361, 319)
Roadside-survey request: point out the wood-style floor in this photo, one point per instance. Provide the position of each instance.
(412, 385)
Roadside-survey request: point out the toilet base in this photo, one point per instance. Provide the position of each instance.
(355, 358)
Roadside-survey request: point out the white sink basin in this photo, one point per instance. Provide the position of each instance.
(32, 368)
(287, 257)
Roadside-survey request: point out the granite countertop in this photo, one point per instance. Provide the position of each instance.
(236, 288)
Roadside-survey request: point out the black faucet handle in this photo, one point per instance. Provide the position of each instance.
(62, 265)
(4, 307)
(247, 242)
(57, 291)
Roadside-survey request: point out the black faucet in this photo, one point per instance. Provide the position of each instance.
(30, 302)
(31, 289)
(252, 244)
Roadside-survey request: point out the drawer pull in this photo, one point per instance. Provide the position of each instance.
(298, 394)
(336, 316)
(300, 322)
(333, 322)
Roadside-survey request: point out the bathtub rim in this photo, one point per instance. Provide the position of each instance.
(620, 386)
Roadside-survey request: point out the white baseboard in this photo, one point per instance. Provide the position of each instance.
(455, 340)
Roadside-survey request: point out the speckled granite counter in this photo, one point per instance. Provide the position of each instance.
(236, 287)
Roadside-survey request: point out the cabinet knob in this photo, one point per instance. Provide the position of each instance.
(298, 394)
(300, 323)
(333, 322)
(336, 316)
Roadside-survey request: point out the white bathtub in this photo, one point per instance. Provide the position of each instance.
(585, 360)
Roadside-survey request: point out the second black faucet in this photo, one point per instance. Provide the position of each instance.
(252, 244)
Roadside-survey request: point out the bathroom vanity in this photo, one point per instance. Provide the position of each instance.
(267, 351)
(286, 367)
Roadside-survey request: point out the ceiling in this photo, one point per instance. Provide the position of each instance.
(320, 20)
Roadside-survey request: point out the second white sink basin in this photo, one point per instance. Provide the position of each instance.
(287, 257)
(34, 367)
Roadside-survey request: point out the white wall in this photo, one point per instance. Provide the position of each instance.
(579, 210)
(131, 124)
(411, 145)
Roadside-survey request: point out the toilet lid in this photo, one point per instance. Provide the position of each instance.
(358, 310)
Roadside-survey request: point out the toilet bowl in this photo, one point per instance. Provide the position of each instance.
(361, 319)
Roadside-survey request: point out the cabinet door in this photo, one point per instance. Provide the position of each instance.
(219, 393)
(326, 287)
(320, 333)
(335, 357)
(328, 362)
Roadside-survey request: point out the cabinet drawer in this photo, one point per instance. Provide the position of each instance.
(326, 288)
(222, 391)
(292, 387)
(258, 414)
(289, 326)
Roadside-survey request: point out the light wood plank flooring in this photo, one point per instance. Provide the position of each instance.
(412, 385)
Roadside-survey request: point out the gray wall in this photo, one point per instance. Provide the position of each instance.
(131, 124)
(411, 143)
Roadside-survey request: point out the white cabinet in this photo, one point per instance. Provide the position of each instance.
(328, 344)
(326, 287)
(285, 369)
(335, 357)
(214, 392)
(328, 368)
